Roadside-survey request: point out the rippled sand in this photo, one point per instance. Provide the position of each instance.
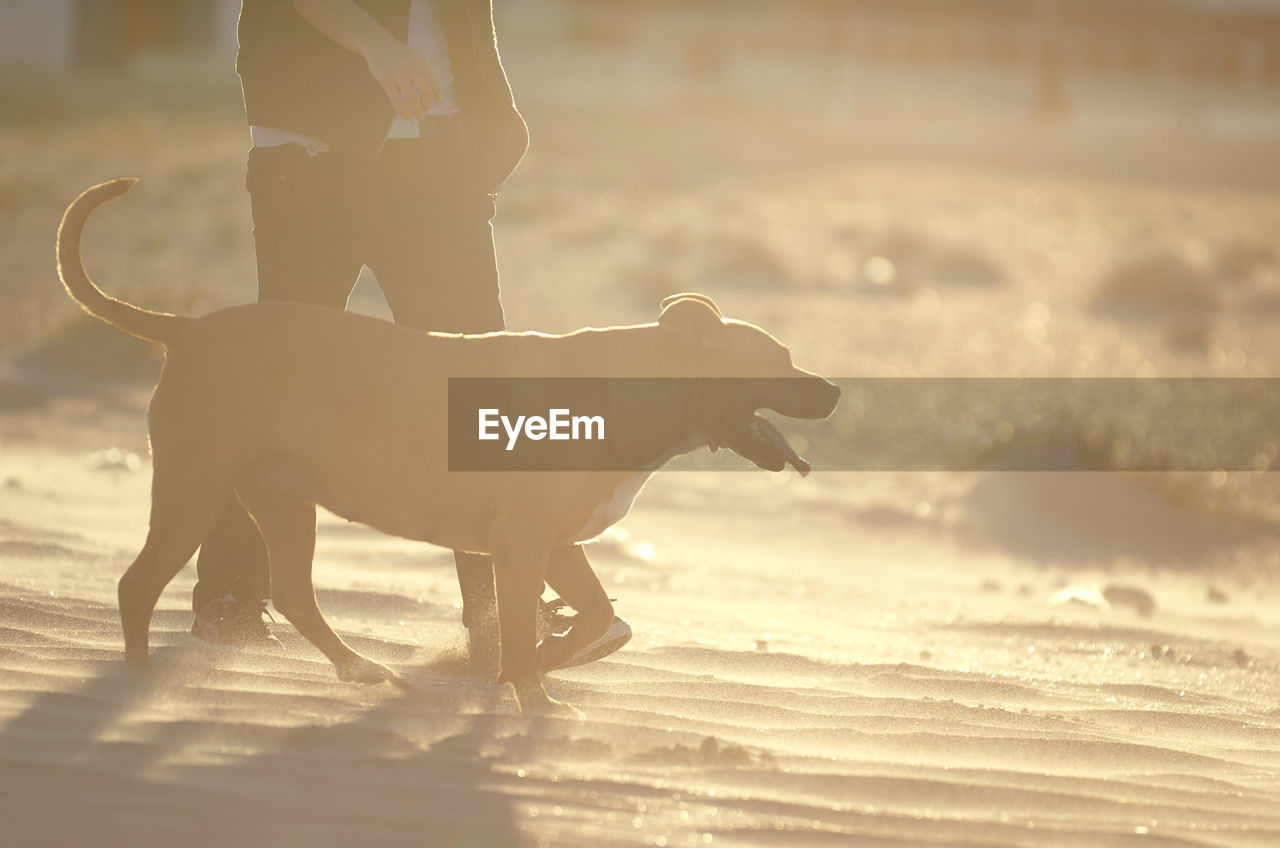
(810, 666)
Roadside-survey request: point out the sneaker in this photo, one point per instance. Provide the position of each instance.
(228, 621)
(553, 620)
(618, 634)
(555, 617)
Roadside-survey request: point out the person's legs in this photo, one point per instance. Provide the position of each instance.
(308, 250)
(306, 224)
(594, 632)
(434, 258)
(232, 562)
(431, 249)
(431, 243)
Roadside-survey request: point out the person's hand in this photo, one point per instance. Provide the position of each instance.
(408, 79)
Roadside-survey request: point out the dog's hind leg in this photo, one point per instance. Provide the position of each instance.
(288, 526)
(182, 513)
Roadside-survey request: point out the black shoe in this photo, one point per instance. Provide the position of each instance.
(228, 621)
(554, 620)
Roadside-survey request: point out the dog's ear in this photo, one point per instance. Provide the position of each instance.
(702, 298)
(694, 316)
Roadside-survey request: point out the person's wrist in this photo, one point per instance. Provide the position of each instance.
(374, 42)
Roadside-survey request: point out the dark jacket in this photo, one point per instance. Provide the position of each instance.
(295, 78)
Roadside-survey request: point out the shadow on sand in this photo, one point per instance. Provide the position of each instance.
(110, 762)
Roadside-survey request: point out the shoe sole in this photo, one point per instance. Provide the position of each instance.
(619, 634)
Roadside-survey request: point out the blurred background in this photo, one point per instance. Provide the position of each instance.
(897, 188)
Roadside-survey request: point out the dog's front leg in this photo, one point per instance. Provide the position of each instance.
(518, 571)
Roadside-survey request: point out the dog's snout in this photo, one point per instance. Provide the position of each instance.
(810, 396)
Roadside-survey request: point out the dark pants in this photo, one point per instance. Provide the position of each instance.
(423, 228)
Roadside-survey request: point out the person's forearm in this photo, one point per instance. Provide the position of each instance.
(344, 23)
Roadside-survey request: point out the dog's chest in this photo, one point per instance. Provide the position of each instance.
(615, 509)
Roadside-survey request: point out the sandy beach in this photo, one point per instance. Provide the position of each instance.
(814, 662)
(984, 657)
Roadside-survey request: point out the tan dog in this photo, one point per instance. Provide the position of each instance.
(288, 406)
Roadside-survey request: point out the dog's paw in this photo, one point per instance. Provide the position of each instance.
(559, 709)
(364, 671)
(533, 700)
(548, 707)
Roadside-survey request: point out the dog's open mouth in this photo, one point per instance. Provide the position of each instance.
(756, 439)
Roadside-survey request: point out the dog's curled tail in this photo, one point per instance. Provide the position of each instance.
(153, 326)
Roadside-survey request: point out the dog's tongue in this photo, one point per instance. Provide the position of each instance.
(754, 438)
(764, 428)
